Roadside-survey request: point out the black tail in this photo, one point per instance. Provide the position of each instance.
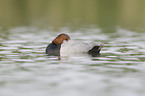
(95, 50)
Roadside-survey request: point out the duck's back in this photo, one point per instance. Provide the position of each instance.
(74, 47)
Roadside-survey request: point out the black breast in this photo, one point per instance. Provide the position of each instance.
(53, 49)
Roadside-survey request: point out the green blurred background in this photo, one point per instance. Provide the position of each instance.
(105, 14)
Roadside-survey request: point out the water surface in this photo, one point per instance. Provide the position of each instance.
(26, 70)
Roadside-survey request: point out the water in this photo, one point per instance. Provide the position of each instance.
(25, 70)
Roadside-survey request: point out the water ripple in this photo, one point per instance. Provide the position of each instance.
(24, 67)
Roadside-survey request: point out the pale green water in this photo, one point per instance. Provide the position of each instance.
(106, 14)
(26, 71)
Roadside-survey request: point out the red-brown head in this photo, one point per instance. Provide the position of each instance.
(60, 38)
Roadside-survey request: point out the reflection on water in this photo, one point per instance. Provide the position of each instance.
(26, 70)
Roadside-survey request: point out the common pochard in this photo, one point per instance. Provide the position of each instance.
(60, 48)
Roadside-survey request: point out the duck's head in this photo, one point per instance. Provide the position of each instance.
(60, 38)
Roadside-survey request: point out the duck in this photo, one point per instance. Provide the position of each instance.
(62, 45)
